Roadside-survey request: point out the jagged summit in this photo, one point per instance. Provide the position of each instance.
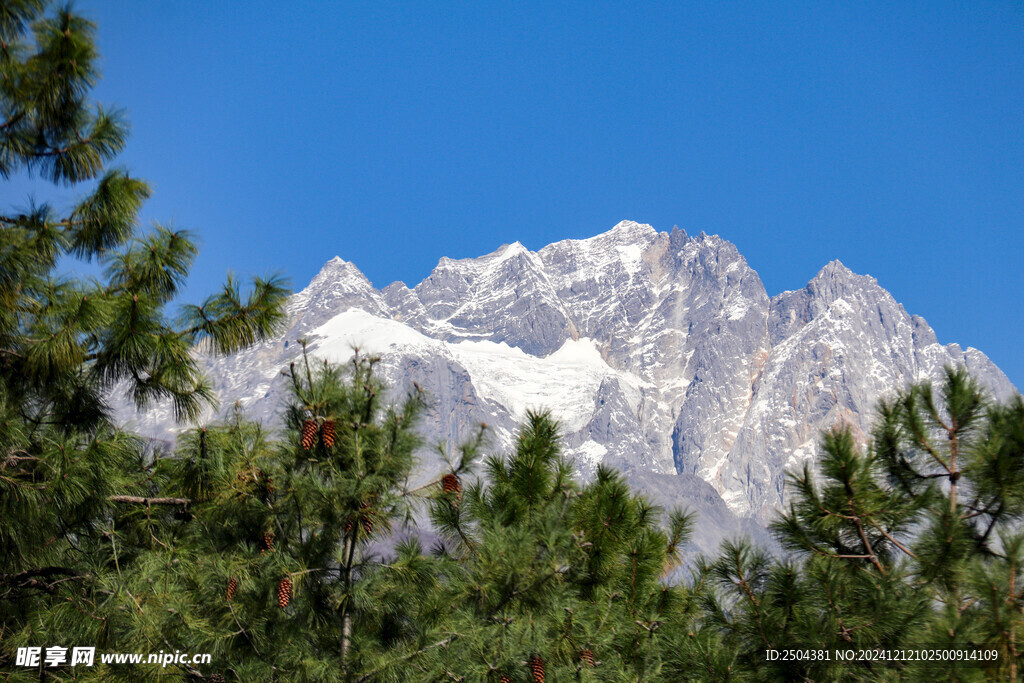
(339, 271)
(338, 264)
(660, 353)
(625, 229)
(836, 270)
(630, 226)
(339, 283)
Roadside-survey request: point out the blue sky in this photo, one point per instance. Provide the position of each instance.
(887, 135)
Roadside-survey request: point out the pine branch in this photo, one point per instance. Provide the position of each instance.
(867, 545)
(891, 539)
(441, 643)
(142, 500)
(31, 579)
(41, 572)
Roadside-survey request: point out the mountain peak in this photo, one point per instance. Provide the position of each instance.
(836, 280)
(510, 250)
(338, 265)
(339, 268)
(834, 268)
(631, 228)
(339, 283)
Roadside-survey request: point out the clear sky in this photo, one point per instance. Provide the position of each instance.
(889, 135)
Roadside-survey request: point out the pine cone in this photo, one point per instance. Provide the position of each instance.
(216, 678)
(505, 678)
(232, 588)
(309, 430)
(537, 668)
(367, 518)
(267, 542)
(284, 592)
(328, 433)
(451, 484)
(587, 656)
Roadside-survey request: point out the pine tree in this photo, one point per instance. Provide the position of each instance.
(300, 608)
(72, 486)
(544, 578)
(911, 543)
(953, 448)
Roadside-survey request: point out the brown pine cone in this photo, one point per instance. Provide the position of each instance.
(328, 433)
(284, 592)
(451, 484)
(267, 542)
(216, 678)
(587, 656)
(537, 668)
(367, 518)
(505, 678)
(232, 588)
(309, 430)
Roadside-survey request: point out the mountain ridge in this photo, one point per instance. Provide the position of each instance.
(661, 354)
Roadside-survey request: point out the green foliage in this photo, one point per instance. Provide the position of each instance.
(67, 343)
(268, 510)
(913, 543)
(853, 516)
(536, 567)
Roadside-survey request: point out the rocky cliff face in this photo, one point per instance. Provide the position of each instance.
(660, 354)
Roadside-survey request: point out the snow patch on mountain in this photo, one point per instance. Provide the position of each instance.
(563, 382)
(337, 339)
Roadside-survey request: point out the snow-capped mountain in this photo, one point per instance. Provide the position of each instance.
(659, 353)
